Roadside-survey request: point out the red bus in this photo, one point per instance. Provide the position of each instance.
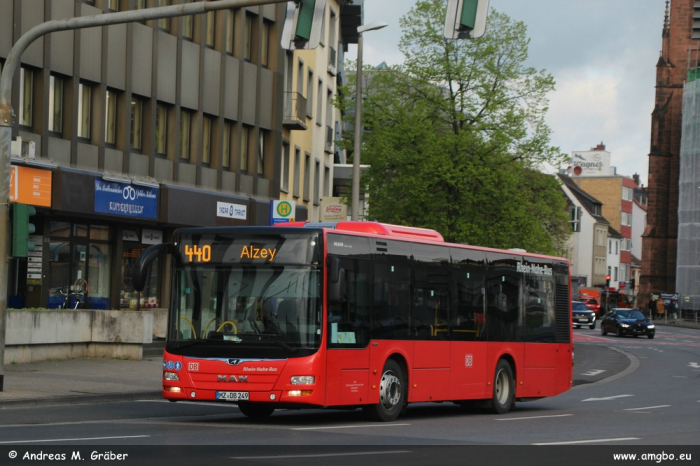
(360, 315)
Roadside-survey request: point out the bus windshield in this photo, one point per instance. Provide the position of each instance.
(243, 310)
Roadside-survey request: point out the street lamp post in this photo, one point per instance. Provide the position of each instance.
(355, 212)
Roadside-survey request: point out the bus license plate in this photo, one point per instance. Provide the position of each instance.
(231, 396)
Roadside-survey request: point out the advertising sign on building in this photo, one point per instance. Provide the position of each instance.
(228, 210)
(30, 186)
(151, 236)
(590, 163)
(113, 197)
(282, 212)
(333, 210)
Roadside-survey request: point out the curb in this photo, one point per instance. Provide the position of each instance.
(82, 399)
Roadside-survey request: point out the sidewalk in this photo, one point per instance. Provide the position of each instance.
(81, 381)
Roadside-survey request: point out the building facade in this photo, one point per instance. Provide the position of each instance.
(138, 129)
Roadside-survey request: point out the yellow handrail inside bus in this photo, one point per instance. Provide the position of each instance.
(207, 327)
(194, 333)
(235, 329)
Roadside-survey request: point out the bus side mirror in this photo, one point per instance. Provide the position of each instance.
(140, 269)
(336, 281)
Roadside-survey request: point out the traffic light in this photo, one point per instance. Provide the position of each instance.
(466, 19)
(21, 229)
(303, 24)
(607, 281)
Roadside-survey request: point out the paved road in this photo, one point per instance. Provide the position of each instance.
(631, 393)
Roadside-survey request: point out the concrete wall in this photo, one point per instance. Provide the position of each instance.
(40, 335)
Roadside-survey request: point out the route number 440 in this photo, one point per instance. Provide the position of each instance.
(197, 254)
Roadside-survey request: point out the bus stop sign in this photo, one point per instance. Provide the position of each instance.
(282, 212)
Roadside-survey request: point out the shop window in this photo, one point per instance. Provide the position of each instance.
(79, 266)
(132, 246)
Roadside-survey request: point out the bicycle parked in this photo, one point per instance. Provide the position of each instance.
(76, 298)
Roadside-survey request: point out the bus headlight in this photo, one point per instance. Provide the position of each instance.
(303, 380)
(172, 376)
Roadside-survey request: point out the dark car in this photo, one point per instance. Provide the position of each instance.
(582, 315)
(623, 322)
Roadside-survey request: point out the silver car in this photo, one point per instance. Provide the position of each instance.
(582, 315)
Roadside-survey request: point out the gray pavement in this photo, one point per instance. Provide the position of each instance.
(101, 380)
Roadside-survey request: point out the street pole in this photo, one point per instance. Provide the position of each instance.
(6, 113)
(355, 212)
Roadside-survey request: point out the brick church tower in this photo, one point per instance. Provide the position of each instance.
(660, 238)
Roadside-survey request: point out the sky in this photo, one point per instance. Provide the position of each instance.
(602, 54)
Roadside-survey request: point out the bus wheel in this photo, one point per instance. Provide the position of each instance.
(503, 388)
(392, 394)
(256, 410)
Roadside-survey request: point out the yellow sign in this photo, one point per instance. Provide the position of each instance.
(30, 186)
(258, 253)
(202, 254)
(332, 210)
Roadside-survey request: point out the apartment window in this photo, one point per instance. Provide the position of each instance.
(332, 43)
(297, 170)
(627, 194)
(185, 129)
(207, 124)
(327, 181)
(317, 182)
(609, 271)
(113, 5)
(210, 29)
(265, 43)
(136, 122)
(610, 242)
(248, 35)
(84, 109)
(26, 94)
(230, 21)
(319, 103)
(285, 167)
(56, 104)
(161, 128)
(617, 247)
(600, 237)
(626, 219)
(307, 176)
(615, 274)
(226, 152)
(310, 94)
(163, 23)
(110, 117)
(261, 152)
(243, 157)
(188, 24)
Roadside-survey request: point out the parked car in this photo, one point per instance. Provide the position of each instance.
(582, 315)
(623, 321)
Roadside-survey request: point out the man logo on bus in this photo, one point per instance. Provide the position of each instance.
(284, 209)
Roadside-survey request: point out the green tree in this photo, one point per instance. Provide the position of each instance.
(455, 136)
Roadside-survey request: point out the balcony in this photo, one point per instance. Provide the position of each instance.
(294, 111)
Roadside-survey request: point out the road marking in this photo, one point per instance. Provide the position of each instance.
(348, 427)
(533, 417)
(694, 365)
(589, 441)
(321, 455)
(606, 398)
(593, 372)
(75, 439)
(648, 407)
